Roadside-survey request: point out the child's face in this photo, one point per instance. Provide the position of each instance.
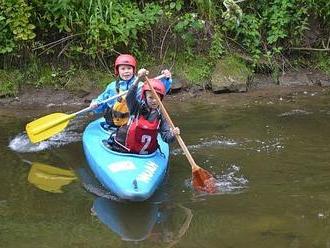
(126, 72)
(151, 100)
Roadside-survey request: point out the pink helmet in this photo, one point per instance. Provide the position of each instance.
(125, 59)
(156, 84)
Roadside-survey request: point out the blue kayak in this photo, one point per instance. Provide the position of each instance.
(129, 176)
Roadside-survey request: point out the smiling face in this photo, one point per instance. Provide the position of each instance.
(126, 72)
(151, 100)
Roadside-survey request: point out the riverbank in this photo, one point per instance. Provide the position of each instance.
(48, 98)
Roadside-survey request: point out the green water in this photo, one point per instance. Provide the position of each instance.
(271, 159)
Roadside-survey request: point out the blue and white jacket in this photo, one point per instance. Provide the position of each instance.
(124, 85)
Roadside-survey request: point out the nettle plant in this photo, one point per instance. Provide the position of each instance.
(268, 29)
(187, 26)
(99, 27)
(15, 25)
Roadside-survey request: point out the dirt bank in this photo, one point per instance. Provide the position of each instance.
(260, 87)
(48, 98)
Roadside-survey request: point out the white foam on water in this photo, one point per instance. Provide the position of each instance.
(231, 181)
(71, 134)
(268, 146)
(295, 112)
(271, 145)
(206, 143)
(228, 182)
(21, 142)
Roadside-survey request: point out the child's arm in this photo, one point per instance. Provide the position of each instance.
(167, 134)
(132, 101)
(110, 91)
(167, 80)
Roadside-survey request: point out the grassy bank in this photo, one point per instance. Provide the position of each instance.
(74, 78)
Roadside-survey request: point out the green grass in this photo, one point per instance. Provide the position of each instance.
(10, 81)
(194, 69)
(40, 76)
(233, 65)
(322, 62)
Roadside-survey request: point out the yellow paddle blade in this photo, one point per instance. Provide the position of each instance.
(50, 178)
(47, 126)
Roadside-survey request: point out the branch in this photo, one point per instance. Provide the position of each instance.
(163, 40)
(57, 42)
(310, 49)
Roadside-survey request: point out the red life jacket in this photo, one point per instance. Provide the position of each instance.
(139, 136)
(142, 135)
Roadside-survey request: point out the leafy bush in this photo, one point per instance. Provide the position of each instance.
(187, 25)
(15, 25)
(96, 27)
(86, 32)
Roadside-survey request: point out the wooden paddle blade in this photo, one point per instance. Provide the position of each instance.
(47, 126)
(203, 181)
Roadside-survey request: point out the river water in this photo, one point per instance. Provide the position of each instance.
(271, 158)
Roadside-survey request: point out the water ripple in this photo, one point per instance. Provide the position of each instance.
(271, 145)
(206, 143)
(268, 146)
(295, 112)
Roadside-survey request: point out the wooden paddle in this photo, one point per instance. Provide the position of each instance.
(49, 125)
(202, 180)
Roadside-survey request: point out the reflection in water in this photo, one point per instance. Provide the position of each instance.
(93, 186)
(156, 220)
(132, 222)
(49, 178)
(159, 223)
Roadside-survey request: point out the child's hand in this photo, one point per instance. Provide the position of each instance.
(142, 72)
(166, 73)
(175, 131)
(93, 105)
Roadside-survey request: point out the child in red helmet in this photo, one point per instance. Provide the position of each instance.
(115, 111)
(140, 134)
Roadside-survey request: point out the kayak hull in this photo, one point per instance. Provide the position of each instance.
(129, 176)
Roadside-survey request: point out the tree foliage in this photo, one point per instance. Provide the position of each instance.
(99, 29)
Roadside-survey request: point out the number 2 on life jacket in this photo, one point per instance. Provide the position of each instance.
(145, 139)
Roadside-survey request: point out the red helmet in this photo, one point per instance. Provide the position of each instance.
(156, 84)
(125, 59)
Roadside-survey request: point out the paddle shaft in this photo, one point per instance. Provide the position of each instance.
(105, 101)
(71, 116)
(111, 98)
(170, 122)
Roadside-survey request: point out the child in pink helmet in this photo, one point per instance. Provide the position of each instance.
(146, 121)
(115, 111)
